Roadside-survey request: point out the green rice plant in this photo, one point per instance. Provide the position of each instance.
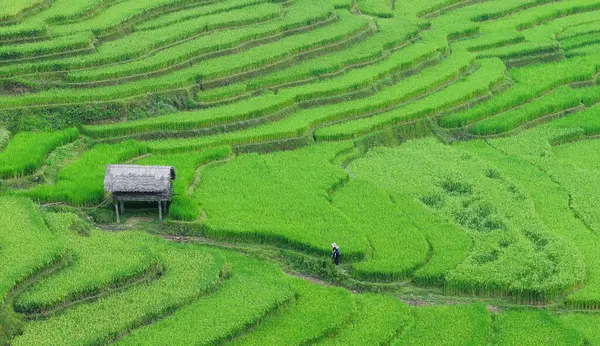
(36, 22)
(508, 235)
(377, 321)
(533, 327)
(243, 110)
(317, 311)
(217, 94)
(280, 198)
(580, 41)
(447, 325)
(4, 138)
(530, 83)
(211, 69)
(100, 261)
(398, 247)
(13, 8)
(589, 96)
(116, 14)
(255, 289)
(586, 324)
(269, 103)
(573, 164)
(258, 13)
(588, 120)
(421, 8)
(60, 44)
(82, 182)
(389, 34)
(449, 244)
(26, 244)
(300, 13)
(544, 13)
(301, 122)
(526, 159)
(585, 50)
(189, 273)
(182, 206)
(495, 10)
(478, 83)
(504, 41)
(379, 8)
(401, 60)
(63, 10)
(519, 50)
(558, 100)
(26, 151)
(579, 30)
(341, 3)
(194, 12)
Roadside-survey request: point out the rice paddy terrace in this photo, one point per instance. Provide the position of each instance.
(448, 147)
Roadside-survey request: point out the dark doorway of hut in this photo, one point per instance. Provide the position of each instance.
(139, 184)
(140, 211)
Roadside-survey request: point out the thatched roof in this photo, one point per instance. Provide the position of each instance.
(134, 178)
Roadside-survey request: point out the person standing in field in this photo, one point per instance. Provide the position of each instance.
(335, 254)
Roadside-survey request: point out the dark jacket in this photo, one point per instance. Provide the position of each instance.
(335, 253)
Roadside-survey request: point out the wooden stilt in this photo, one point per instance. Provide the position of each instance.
(160, 210)
(117, 211)
(122, 206)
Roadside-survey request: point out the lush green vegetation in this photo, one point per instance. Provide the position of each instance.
(25, 152)
(448, 147)
(183, 207)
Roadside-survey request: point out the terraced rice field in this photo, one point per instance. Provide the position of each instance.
(449, 147)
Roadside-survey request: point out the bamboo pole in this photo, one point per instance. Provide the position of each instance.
(117, 211)
(160, 210)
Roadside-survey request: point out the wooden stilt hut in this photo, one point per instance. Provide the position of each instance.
(139, 183)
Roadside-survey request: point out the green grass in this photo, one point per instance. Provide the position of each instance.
(280, 197)
(377, 321)
(189, 273)
(476, 84)
(26, 151)
(183, 207)
(82, 181)
(100, 261)
(587, 120)
(258, 13)
(379, 8)
(11, 8)
(199, 11)
(513, 252)
(398, 246)
(299, 123)
(223, 66)
(530, 83)
(586, 324)
(60, 44)
(533, 328)
(254, 290)
(26, 244)
(447, 325)
(142, 42)
(523, 160)
(317, 311)
(558, 100)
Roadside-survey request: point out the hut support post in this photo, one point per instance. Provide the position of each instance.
(160, 210)
(117, 211)
(122, 206)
